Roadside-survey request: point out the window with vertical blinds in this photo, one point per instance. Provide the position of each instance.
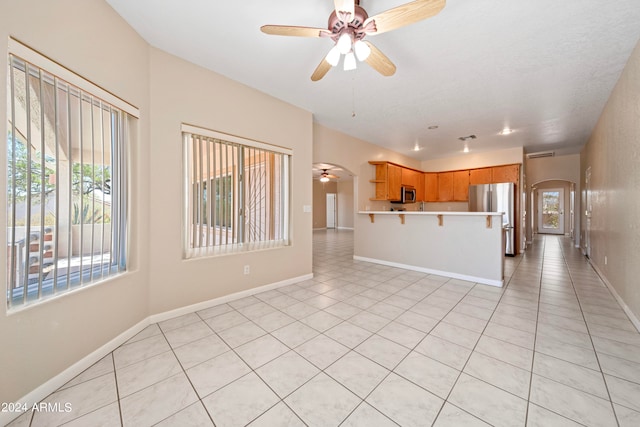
(66, 181)
(237, 193)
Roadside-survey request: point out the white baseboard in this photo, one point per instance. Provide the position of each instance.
(38, 394)
(44, 390)
(320, 229)
(345, 228)
(630, 314)
(498, 283)
(155, 318)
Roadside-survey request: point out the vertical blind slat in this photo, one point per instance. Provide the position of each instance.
(56, 208)
(28, 187)
(81, 183)
(14, 277)
(41, 246)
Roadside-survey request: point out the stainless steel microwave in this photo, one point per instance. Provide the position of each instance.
(407, 195)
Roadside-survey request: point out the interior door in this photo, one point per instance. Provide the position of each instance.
(332, 212)
(551, 211)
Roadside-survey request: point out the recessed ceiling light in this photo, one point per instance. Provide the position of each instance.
(416, 147)
(505, 131)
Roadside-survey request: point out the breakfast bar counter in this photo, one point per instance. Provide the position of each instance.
(461, 245)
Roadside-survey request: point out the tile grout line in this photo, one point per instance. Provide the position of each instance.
(350, 349)
(115, 375)
(184, 371)
(446, 400)
(535, 334)
(604, 379)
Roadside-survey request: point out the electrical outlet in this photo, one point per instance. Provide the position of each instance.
(247, 269)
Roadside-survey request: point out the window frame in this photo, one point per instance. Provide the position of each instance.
(187, 131)
(87, 92)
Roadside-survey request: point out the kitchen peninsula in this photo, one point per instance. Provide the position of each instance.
(461, 245)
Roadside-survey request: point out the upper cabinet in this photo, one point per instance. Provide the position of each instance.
(494, 175)
(450, 186)
(410, 177)
(453, 186)
(388, 181)
(480, 176)
(507, 173)
(445, 186)
(430, 187)
(461, 186)
(394, 182)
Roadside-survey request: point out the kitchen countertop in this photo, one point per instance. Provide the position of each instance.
(456, 213)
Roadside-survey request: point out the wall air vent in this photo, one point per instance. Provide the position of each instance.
(541, 154)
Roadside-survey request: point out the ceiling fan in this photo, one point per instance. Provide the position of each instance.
(349, 24)
(325, 176)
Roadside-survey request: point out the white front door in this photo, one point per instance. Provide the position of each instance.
(551, 211)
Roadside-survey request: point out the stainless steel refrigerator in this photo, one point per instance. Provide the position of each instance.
(496, 198)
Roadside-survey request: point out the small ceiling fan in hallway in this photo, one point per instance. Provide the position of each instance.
(349, 24)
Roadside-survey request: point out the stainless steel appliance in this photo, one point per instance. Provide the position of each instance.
(407, 195)
(496, 198)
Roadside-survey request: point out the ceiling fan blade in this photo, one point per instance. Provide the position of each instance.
(379, 62)
(322, 69)
(345, 8)
(333, 177)
(405, 14)
(287, 30)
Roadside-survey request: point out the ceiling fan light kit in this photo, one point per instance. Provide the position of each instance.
(349, 24)
(362, 50)
(326, 177)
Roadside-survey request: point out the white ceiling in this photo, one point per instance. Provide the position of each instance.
(544, 68)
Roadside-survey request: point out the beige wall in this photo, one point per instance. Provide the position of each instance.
(613, 153)
(345, 203)
(88, 37)
(320, 190)
(184, 93)
(474, 160)
(352, 154)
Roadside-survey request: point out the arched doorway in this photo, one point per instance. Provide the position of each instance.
(553, 207)
(333, 197)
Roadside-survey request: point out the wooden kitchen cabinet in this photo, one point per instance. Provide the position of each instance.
(420, 188)
(394, 181)
(387, 181)
(449, 186)
(507, 173)
(430, 187)
(461, 186)
(410, 177)
(445, 186)
(480, 176)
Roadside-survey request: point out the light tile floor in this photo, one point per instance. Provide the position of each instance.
(368, 345)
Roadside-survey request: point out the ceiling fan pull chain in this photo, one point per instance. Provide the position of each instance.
(353, 97)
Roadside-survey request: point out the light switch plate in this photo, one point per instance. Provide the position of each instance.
(306, 208)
